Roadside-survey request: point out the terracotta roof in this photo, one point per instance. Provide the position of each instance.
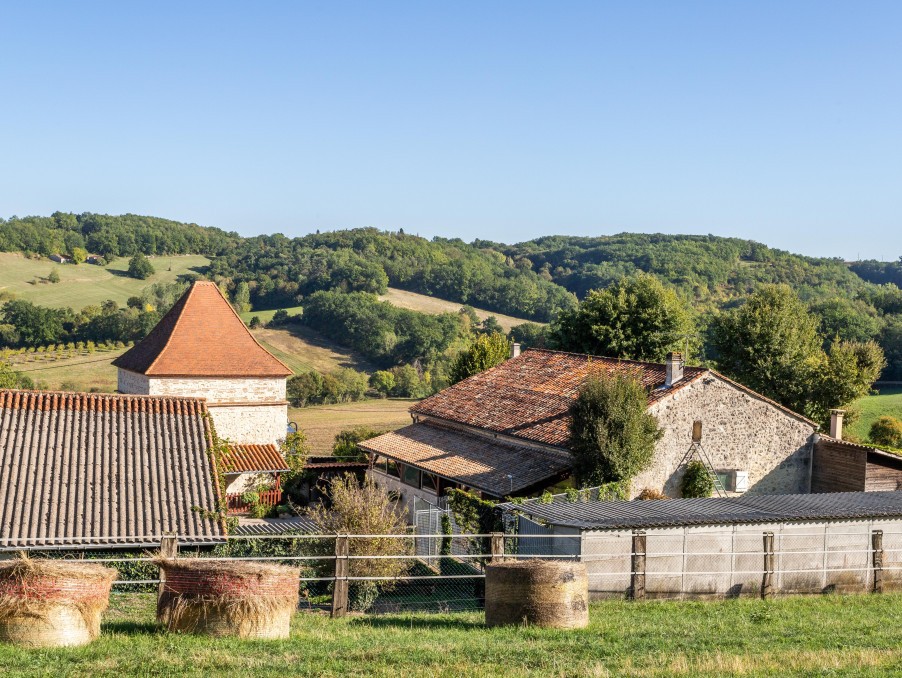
(201, 336)
(251, 458)
(473, 460)
(530, 396)
(116, 470)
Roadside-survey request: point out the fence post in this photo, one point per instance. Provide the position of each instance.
(497, 545)
(877, 559)
(340, 584)
(169, 548)
(767, 582)
(637, 588)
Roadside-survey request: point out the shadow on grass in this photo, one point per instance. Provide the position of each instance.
(418, 621)
(132, 628)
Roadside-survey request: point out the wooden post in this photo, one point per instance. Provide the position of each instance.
(877, 559)
(767, 581)
(340, 584)
(497, 546)
(169, 548)
(637, 588)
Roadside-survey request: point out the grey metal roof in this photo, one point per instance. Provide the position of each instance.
(611, 515)
(288, 526)
(103, 470)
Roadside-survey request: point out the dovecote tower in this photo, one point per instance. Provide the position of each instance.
(202, 349)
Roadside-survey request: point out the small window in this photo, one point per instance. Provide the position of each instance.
(391, 468)
(724, 479)
(411, 476)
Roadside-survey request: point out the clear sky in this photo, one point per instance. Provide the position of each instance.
(777, 121)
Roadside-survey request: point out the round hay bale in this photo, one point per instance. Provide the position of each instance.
(52, 603)
(220, 598)
(549, 593)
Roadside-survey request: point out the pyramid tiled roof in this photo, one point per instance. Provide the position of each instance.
(201, 336)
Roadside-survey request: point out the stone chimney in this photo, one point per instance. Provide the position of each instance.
(674, 369)
(515, 350)
(836, 423)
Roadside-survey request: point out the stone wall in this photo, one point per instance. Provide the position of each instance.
(217, 390)
(132, 383)
(739, 432)
(250, 424)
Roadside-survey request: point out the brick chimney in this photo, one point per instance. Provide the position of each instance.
(836, 423)
(674, 369)
(515, 350)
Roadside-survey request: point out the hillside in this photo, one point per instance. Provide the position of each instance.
(87, 284)
(427, 304)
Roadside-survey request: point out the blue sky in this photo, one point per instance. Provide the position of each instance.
(777, 121)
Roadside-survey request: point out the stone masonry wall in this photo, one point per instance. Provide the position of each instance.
(216, 390)
(739, 432)
(250, 424)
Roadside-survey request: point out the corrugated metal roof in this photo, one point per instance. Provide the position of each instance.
(611, 515)
(295, 525)
(252, 458)
(78, 469)
(479, 462)
(201, 336)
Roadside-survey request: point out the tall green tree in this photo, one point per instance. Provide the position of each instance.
(242, 298)
(487, 351)
(636, 318)
(140, 267)
(771, 344)
(612, 435)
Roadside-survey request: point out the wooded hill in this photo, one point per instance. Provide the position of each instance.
(534, 279)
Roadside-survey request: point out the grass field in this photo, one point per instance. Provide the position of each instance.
(86, 284)
(824, 635)
(425, 304)
(266, 316)
(323, 422)
(303, 349)
(888, 402)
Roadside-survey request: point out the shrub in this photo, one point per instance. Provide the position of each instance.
(886, 431)
(346, 447)
(612, 435)
(255, 322)
(697, 481)
(383, 381)
(651, 493)
(54, 276)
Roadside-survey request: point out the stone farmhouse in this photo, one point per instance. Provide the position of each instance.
(506, 431)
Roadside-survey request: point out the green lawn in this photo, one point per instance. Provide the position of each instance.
(86, 284)
(822, 635)
(888, 402)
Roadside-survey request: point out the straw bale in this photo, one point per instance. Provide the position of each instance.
(221, 598)
(52, 603)
(549, 593)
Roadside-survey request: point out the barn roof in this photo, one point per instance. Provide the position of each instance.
(611, 515)
(201, 336)
(104, 470)
(530, 396)
(492, 466)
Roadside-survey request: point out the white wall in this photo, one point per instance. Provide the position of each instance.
(250, 424)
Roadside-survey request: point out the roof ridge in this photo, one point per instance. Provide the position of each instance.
(245, 327)
(592, 356)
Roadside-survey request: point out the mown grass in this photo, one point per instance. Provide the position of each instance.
(888, 401)
(813, 636)
(78, 373)
(427, 304)
(86, 284)
(303, 349)
(321, 423)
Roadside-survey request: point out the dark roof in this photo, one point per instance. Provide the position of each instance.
(476, 461)
(79, 468)
(530, 396)
(611, 515)
(251, 458)
(294, 525)
(201, 336)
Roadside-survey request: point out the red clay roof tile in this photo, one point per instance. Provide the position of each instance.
(201, 336)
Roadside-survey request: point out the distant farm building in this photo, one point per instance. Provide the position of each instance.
(506, 431)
